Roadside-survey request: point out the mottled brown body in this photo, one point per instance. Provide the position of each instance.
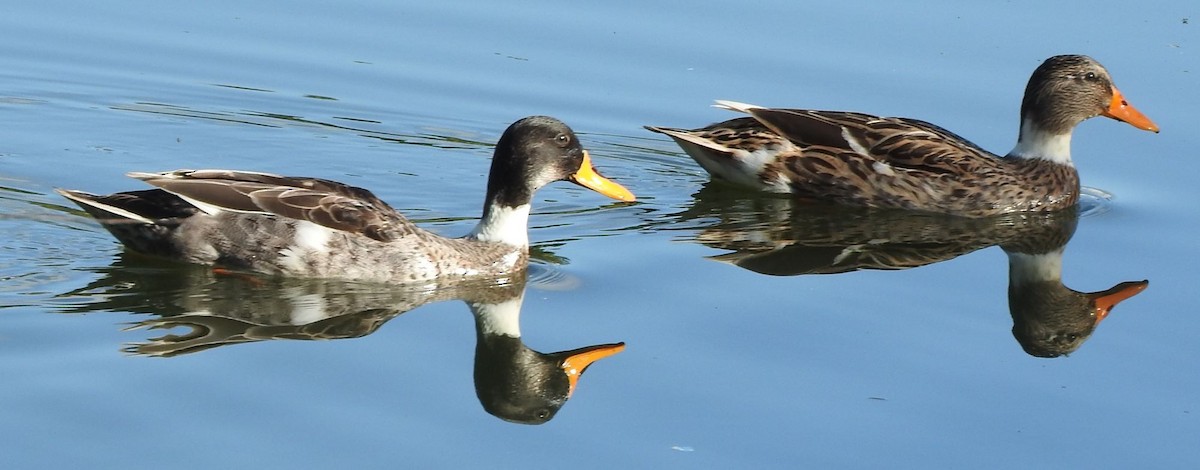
(862, 160)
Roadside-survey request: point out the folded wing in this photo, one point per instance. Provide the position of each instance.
(324, 202)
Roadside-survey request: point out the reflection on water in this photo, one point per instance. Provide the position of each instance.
(512, 381)
(777, 237)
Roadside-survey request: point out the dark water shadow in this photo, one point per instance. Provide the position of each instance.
(778, 237)
(206, 309)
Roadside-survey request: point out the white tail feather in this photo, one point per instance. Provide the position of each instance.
(117, 211)
(735, 106)
(141, 175)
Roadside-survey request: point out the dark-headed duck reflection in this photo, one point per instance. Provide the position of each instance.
(204, 309)
(519, 384)
(776, 236)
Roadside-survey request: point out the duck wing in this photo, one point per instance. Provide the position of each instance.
(898, 142)
(324, 202)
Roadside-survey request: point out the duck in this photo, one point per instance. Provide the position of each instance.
(856, 159)
(264, 223)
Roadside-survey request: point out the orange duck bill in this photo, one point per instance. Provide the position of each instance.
(1121, 110)
(1106, 300)
(579, 360)
(587, 177)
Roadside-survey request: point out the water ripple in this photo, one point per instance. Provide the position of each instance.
(1094, 201)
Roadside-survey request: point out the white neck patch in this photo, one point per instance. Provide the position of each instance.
(508, 225)
(1037, 143)
(503, 318)
(1023, 268)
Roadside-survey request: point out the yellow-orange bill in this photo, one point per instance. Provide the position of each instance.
(1106, 300)
(1121, 110)
(587, 177)
(576, 363)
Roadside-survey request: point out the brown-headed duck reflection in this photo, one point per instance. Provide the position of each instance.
(1049, 318)
(207, 309)
(776, 236)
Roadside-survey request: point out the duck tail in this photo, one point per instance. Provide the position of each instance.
(143, 221)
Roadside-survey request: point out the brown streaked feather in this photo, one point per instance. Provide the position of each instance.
(907, 143)
(323, 202)
(806, 127)
(872, 161)
(712, 144)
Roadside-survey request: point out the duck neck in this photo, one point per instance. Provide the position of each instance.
(1038, 142)
(1024, 268)
(503, 224)
(498, 318)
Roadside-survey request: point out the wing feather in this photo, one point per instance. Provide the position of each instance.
(324, 202)
(898, 142)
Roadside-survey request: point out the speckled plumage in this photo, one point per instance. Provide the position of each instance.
(864, 160)
(310, 227)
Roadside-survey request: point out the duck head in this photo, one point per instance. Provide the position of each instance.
(532, 153)
(1063, 92)
(539, 150)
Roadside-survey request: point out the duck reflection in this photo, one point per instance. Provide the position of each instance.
(1049, 318)
(775, 236)
(512, 381)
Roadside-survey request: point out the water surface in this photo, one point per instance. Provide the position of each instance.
(724, 366)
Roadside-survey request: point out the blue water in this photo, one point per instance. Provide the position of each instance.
(723, 367)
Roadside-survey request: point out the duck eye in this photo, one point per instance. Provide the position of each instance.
(1090, 76)
(562, 140)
